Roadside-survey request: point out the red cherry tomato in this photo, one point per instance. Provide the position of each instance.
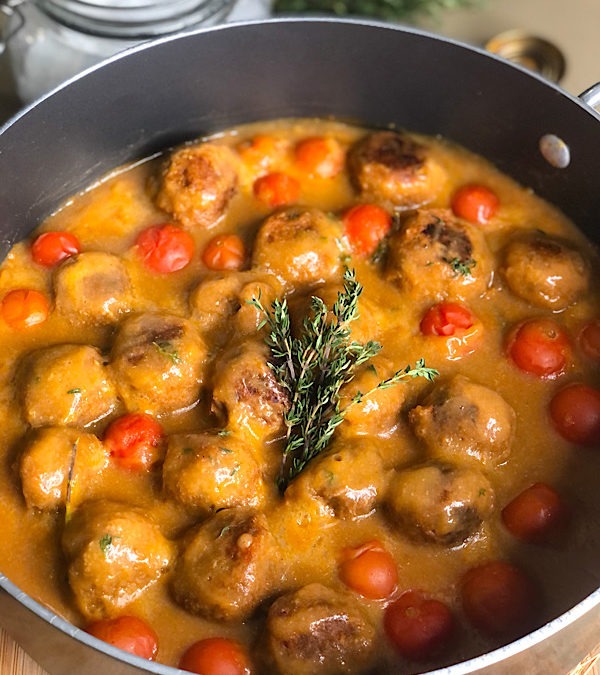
(540, 347)
(475, 203)
(418, 626)
(535, 513)
(498, 598)
(165, 248)
(276, 189)
(320, 156)
(128, 633)
(52, 247)
(369, 570)
(216, 656)
(575, 413)
(260, 151)
(446, 318)
(134, 441)
(365, 226)
(224, 252)
(589, 339)
(23, 308)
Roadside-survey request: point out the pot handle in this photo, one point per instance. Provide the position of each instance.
(10, 9)
(591, 96)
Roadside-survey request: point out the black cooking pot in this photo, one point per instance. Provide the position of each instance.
(176, 89)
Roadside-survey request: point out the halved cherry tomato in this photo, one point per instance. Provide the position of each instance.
(261, 150)
(575, 413)
(276, 189)
(365, 226)
(128, 633)
(475, 203)
(589, 339)
(216, 656)
(446, 318)
(50, 248)
(224, 252)
(165, 248)
(498, 598)
(418, 626)
(535, 513)
(369, 570)
(320, 156)
(134, 441)
(540, 347)
(23, 308)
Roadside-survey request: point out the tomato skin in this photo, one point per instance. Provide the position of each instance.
(589, 339)
(261, 150)
(216, 656)
(23, 308)
(418, 626)
(50, 248)
(369, 570)
(128, 633)
(320, 156)
(475, 203)
(446, 318)
(575, 413)
(365, 226)
(224, 252)
(165, 248)
(276, 189)
(134, 441)
(535, 514)
(540, 347)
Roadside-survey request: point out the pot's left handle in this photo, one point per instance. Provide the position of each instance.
(13, 18)
(591, 97)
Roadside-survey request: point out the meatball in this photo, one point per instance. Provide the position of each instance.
(158, 360)
(318, 631)
(197, 184)
(224, 570)
(67, 385)
(56, 458)
(464, 421)
(439, 502)
(115, 552)
(545, 271)
(300, 247)
(438, 256)
(393, 166)
(93, 287)
(206, 472)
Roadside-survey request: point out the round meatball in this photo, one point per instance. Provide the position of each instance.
(318, 631)
(115, 552)
(464, 421)
(299, 246)
(393, 166)
(59, 461)
(206, 472)
(158, 360)
(225, 569)
(438, 256)
(439, 502)
(67, 385)
(545, 271)
(197, 184)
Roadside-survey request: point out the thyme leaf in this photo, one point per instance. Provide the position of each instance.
(463, 267)
(167, 349)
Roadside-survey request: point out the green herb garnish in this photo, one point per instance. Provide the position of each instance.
(463, 267)
(77, 390)
(167, 349)
(105, 542)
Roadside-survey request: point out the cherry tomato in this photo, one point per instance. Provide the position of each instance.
(261, 151)
(128, 633)
(277, 189)
(365, 226)
(52, 247)
(589, 339)
(369, 570)
(446, 318)
(165, 248)
(475, 203)
(224, 252)
(134, 441)
(540, 347)
(575, 413)
(535, 513)
(23, 308)
(498, 598)
(320, 156)
(418, 626)
(216, 656)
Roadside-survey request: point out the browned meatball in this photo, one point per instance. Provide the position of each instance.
(299, 246)
(438, 256)
(67, 385)
(93, 287)
(224, 570)
(58, 460)
(318, 631)
(393, 166)
(545, 271)
(114, 552)
(464, 421)
(198, 183)
(158, 360)
(206, 472)
(439, 502)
